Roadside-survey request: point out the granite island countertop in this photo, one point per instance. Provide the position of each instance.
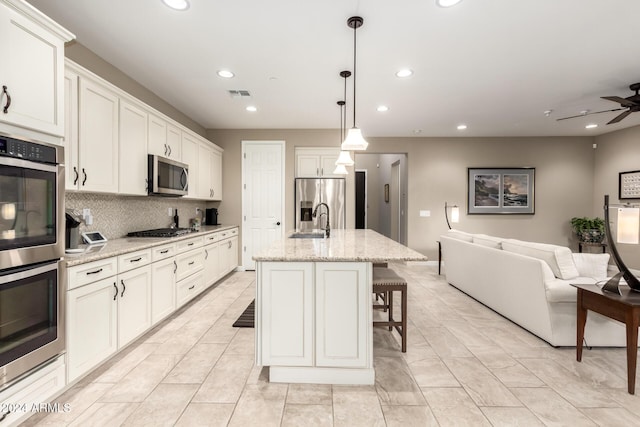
(125, 245)
(343, 245)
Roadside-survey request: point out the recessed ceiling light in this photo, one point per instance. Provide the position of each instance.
(462, 127)
(251, 108)
(177, 4)
(404, 73)
(591, 126)
(382, 108)
(226, 74)
(447, 3)
(417, 131)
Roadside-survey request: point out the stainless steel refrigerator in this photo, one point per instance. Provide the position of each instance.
(312, 191)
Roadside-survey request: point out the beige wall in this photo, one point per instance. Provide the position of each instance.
(437, 170)
(616, 152)
(89, 60)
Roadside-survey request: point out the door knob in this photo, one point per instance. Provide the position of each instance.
(278, 223)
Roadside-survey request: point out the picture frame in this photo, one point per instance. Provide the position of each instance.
(501, 191)
(629, 185)
(386, 193)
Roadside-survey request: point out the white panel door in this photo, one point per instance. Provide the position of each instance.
(263, 196)
(133, 150)
(287, 313)
(343, 314)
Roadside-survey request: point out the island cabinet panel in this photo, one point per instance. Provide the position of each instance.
(343, 296)
(287, 332)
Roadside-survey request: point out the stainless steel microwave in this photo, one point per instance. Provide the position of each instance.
(167, 177)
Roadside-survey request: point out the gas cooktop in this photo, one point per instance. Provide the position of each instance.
(160, 232)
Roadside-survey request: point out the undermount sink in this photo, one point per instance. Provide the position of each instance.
(307, 235)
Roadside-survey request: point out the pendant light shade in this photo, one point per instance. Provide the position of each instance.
(340, 170)
(345, 159)
(354, 140)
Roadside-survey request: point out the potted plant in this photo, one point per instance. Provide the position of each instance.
(589, 230)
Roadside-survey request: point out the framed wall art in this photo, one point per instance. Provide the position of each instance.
(501, 191)
(629, 185)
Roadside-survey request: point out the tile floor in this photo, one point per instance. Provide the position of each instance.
(465, 366)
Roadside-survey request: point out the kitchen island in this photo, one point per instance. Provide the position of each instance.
(314, 309)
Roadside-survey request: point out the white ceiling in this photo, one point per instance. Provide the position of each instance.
(495, 65)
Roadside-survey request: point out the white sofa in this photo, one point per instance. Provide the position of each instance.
(529, 283)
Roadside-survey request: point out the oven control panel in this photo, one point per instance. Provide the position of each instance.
(27, 150)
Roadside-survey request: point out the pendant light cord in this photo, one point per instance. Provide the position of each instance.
(355, 28)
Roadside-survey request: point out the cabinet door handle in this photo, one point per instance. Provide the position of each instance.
(322, 172)
(8, 104)
(165, 149)
(175, 267)
(84, 173)
(124, 288)
(165, 251)
(116, 288)
(4, 415)
(169, 150)
(317, 172)
(77, 175)
(135, 260)
(229, 245)
(94, 272)
(206, 254)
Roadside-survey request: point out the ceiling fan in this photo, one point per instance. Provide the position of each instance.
(630, 104)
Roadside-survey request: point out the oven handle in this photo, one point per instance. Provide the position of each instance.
(27, 164)
(12, 277)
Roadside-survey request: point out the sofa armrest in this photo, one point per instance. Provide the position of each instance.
(592, 265)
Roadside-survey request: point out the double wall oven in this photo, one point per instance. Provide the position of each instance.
(31, 249)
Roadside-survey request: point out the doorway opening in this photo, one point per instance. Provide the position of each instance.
(361, 199)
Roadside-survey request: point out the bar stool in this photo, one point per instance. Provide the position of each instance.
(385, 282)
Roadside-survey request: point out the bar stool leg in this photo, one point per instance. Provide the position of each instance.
(404, 320)
(390, 294)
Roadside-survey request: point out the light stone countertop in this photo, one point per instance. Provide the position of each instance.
(343, 245)
(126, 245)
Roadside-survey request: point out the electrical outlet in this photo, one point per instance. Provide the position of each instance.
(169, 211)
(86, 212)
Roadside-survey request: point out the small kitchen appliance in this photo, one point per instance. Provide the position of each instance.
(211, 216)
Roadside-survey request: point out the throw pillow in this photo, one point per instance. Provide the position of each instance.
(592, 265)
(559, 258)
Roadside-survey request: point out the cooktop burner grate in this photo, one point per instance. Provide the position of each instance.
(160, 232)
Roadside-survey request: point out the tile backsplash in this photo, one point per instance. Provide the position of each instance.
(115, 216)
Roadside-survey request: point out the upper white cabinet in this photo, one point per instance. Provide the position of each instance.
(72, 173)
(190, 157)
(132, 163)
(165, 139)
(98, 140)
(209, 172)
(31, 79)
(316, 162)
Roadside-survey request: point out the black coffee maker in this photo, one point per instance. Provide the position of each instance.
(211, 216)
(72, 230)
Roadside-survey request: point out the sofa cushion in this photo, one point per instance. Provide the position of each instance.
(558, 290)
(558, 257)
(460, 235)
(490, 241)
(592, 265)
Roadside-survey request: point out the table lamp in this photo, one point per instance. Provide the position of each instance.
(627, 232)
(455, 214)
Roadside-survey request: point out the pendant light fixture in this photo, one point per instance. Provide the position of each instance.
(341, 166)
(354, 141)
(345, 157)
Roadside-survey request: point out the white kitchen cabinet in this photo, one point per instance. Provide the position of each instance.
(286, 293)
(316, 162)
(190, 157)
(189, 288)
(165, 139)
(228, 251)
(92, 325)
(98, 137)
(342, 297)
(163, 289)
(134, 304)
(132, 151)
(211, 263)
(209, 172)
(32, 52)
(72, 173)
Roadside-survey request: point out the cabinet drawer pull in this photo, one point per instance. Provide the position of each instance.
(192, 262)
(124, 288)
(116, 288)
(192, 287)
(190, 244)
(94, 272)
(8, 104)
(175, 267)
(77, 175)
(135, 260)
(165, 251)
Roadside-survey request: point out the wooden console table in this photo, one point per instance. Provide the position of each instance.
(592, 245)
(624, 308)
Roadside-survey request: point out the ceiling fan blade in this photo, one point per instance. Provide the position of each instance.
(619, 117)
(588, 114)
(619, 100)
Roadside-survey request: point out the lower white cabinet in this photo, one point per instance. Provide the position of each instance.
(228, 255)
(212, 270)
(134, 304)
(188, 288)
(163, 289)
(92, 325)
(314, 315)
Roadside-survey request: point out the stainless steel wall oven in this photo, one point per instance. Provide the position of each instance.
(31, 249)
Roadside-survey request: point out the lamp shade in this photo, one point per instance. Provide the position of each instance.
(340, 170)
(455, 214)
(344, 159)
(8, 211)
(628, 223)
(354, 141)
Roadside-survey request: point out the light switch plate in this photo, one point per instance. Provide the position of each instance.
(425, 213)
